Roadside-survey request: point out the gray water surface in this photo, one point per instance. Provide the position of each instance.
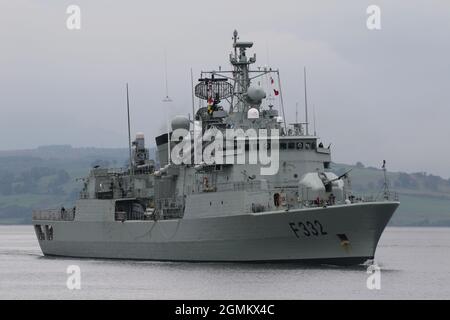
(414, 262)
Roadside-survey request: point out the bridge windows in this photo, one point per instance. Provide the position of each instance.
(298, 145)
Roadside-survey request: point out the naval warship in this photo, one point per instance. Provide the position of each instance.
(223, 210)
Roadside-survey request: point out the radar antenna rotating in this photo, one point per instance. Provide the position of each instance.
(213, 88)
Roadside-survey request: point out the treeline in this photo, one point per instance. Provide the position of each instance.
(47, 177)
(36, 180)
(367, 179)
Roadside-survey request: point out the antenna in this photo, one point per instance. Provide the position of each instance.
(192, 87)
(306, 102)
(281, 100)
(168, 144)
(386, 182)
(166, 99)
(129, 134)
(296, 112)
(314, 119)
(235, 38)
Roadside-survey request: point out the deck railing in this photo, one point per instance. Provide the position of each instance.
(54, 214)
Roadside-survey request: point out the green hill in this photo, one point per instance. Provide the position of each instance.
(47, 177)
(424, 198)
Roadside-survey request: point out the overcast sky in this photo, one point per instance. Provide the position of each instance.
(380, 94)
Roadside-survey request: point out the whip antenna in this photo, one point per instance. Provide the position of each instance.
(129, 133)
(166, 99)
(306, 103)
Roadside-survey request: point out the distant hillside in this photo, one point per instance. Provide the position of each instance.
(47, 177)
(424, 198)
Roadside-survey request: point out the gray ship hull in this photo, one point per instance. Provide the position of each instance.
(341, 234)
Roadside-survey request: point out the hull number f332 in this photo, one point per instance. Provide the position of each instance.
(307, 228)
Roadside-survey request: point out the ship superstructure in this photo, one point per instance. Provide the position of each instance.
(287, 209)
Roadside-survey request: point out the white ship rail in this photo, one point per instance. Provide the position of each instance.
(306, 200)
(385, 196)
(54, 214)
(256, 185)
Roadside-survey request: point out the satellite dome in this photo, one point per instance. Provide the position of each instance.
(180, 122)
(255, 94)
(139, 135)
(253, 113)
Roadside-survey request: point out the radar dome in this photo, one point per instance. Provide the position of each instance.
(253, 113)
(180, 122)
(139, 135)
(255, 94)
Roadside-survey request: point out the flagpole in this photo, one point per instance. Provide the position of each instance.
(306, 103)
(129, 138)
(168, 143)
(281, 100)
(314, 119)
(386, 183)
(192, 92)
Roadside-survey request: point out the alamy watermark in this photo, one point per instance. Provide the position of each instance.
(73, 22)
(374, 19)
(74, 279)
(373, 281)
(213, 148)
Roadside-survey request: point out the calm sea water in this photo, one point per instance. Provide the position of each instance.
(414, 262)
